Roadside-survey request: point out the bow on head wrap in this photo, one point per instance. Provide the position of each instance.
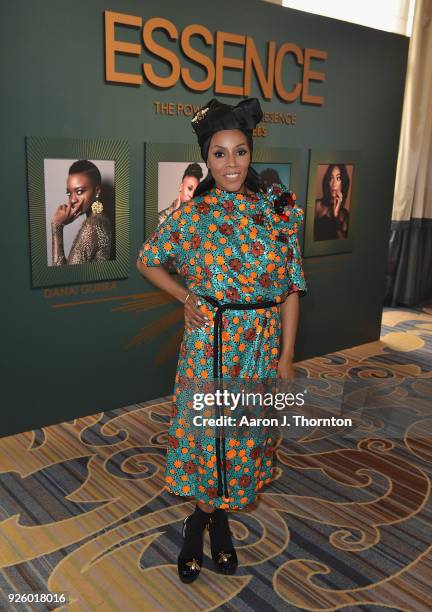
(216, 116)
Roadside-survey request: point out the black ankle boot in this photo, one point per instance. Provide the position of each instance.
(190, 559)
(222, 549)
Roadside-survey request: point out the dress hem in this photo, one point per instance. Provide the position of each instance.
(223, 505)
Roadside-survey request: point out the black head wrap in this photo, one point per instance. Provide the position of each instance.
(216, 116)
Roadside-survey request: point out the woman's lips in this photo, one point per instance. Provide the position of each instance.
(232, 176)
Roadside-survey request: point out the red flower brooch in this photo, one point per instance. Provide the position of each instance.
(283, 200)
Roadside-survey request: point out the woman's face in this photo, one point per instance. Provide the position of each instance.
(335, 181)
(81, 192)
(187, 188)
(228, 159)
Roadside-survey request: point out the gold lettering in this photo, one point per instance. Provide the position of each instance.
(189, 110)
(113, 46)
(252, 59)
(98, 287)
(158, 23)
(199, 58)
(309, 75)
(268, 71)
(259, 132)
(287, 96)
(223, 62)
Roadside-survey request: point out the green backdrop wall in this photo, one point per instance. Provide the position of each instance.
(61, 363)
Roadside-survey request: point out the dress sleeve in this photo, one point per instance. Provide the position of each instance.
(58, 256)
(104, 238)
(296, 279)
(165, 244)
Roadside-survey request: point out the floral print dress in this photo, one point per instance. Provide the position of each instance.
(234, 248)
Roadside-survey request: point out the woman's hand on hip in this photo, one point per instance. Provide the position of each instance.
(193, 316)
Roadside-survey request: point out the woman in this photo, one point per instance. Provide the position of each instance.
(190, 181)
(242, 267)
(93, 241)
(268, 177)
(331, 216)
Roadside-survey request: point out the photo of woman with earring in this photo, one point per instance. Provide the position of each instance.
(94, 239)
(236, 248)
(190, 181)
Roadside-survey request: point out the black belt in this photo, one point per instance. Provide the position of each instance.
(217, 374)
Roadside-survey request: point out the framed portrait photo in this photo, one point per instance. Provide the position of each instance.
(172, 173)
(331, 202)
(276, 165)
(79, 210)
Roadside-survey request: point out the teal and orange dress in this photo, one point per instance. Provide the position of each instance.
(241, 254)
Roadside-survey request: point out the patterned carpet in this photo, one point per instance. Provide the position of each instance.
(346, 524)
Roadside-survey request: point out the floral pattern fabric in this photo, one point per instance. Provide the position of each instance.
(235, 248)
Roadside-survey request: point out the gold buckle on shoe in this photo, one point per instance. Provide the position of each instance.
(193, 565)
(223, 557)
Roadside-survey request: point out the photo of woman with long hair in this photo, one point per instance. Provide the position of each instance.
(331, 217)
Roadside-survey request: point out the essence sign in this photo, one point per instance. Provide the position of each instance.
(276, 75)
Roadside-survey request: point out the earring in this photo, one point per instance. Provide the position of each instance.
(97, 207)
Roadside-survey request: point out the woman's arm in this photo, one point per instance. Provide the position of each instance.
(62, 216)
(159, 277)
(58, 255)
(289, 318)
(342, 227)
